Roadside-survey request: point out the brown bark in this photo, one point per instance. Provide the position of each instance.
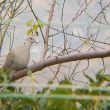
(61, 59)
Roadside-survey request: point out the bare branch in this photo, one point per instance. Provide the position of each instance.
(61, 59)
(36, 19)
(48, 27)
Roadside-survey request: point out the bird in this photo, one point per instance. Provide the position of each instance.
(18, 57)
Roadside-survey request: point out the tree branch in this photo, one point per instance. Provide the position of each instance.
(57, 60)
(48, 27)
(36, 19)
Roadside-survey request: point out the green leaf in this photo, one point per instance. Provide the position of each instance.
(30, 32)
(65, 82)
(89, 78)
(61, 104)
(63, 90)
(35, 27)
(42, 103)
(99, 73)
(41, 24)
(105, 77)
(50, 82)
(30, 22)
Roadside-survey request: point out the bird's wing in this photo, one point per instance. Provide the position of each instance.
(9, 60)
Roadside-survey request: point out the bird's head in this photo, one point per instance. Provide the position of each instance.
(30, 40)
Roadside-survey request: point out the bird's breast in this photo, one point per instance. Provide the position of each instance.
(21, 60)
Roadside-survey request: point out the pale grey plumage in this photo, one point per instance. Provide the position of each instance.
(18, 58)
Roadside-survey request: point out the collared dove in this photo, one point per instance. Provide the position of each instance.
(18, 57)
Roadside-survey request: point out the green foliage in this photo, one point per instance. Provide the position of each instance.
(40, 23)
(33, 27)
(60, 97)
(30, 32)
(29, 23)
(4, 75)
(57, 103)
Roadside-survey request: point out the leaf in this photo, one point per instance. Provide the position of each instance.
(65, 82)
(35, 27)
(89, 78)
(99, 73)
(61, 104)
(42, 102)
(105, 77)
(24, 107)
(30, 22)
(63, 90)
(30, 32)
(50, 82)
(41, 24)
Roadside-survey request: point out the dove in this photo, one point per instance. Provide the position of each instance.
(18, 57)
